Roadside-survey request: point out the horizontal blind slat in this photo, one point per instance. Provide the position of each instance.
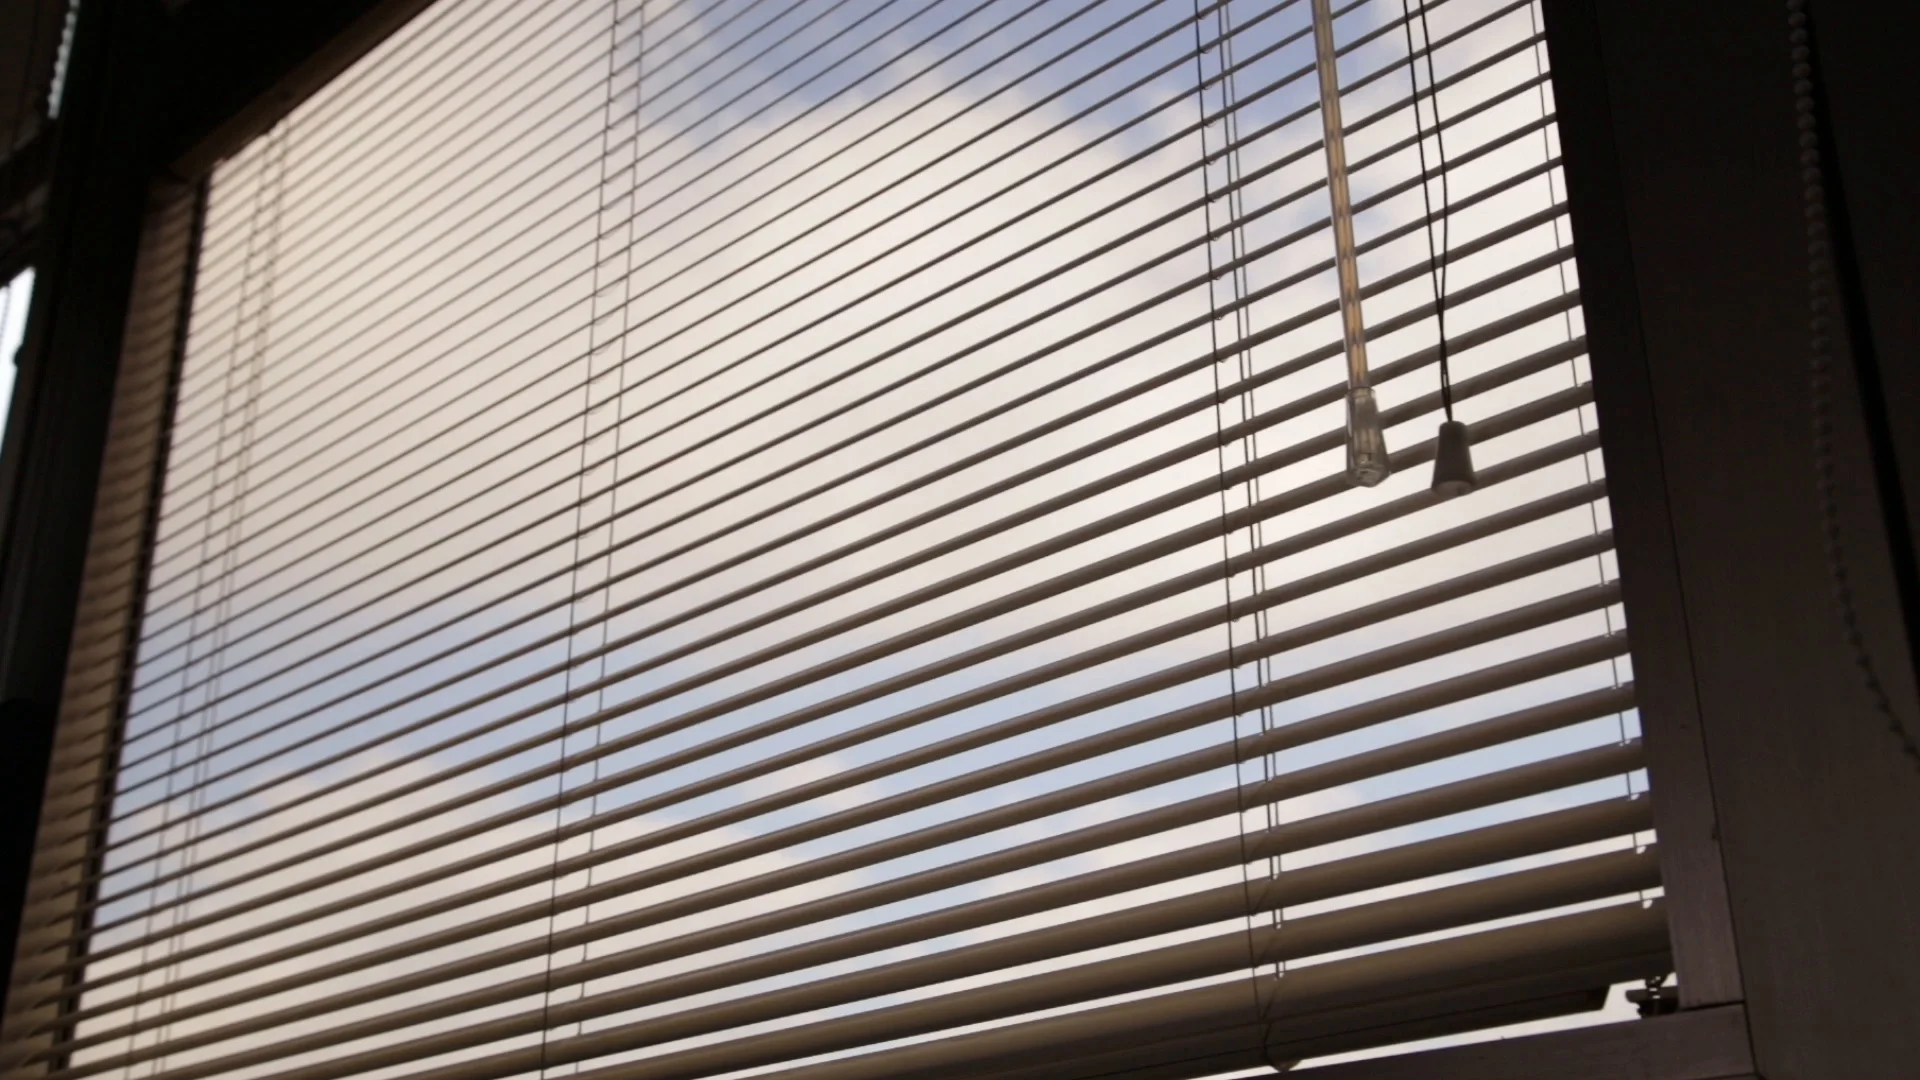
(1524, 565)
(1466, 389)
(1428, 858)
(1062, 305)
(1604, 946)
(1354, 718)
(1480, 901)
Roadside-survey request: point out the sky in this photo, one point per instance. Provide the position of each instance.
(742, 401)
(14, 298)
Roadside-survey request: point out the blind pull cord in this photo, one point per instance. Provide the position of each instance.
(1453, 451)
(1367, 463)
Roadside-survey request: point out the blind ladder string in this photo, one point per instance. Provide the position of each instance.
(1230, 160)
(235, 531)
(595, 316)
(1573, 373)
(262, 222)
(1225, 34)
(630, 147)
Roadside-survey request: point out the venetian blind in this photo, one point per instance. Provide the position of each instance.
(817, 539)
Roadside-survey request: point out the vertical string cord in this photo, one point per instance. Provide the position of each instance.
(1249, 406)
(62, 58)
(579, 539)
(1573, 379)
(1436, 256)
(1226, 553)
(632, 142)
(249, 282)
(235, 535)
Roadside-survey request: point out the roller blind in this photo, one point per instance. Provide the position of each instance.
(823, 540)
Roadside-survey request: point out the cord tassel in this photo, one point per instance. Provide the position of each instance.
(1453, 461)
(1453, 450)
(1367, 462)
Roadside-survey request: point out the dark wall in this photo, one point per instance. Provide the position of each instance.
(29, 40)
(1688, 194)
(58, 421)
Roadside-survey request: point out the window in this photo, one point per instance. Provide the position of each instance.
(715, 537)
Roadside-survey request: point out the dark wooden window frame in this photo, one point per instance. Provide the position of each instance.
(1789, 818)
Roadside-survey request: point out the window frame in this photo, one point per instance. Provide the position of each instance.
(127, 155)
